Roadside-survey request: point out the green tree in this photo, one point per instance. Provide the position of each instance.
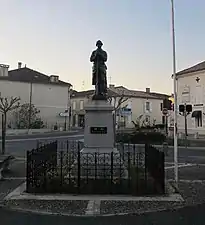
(7, 105)
(22, 117)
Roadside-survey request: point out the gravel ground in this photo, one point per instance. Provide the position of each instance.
(135, 207)
(56, 206)
(193, 193)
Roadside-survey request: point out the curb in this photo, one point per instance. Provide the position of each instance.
(42, 133)
(42, 212)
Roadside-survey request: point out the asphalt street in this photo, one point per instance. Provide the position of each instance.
(185, 216)
(18, 147)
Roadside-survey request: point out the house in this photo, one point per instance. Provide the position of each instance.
(134, 104)
(48, 93)
(191, 90)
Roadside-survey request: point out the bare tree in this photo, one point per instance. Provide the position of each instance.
(138, 123)
(117, 101)
(6, 105)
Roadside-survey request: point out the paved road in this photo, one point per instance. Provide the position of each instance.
(46, 134)
(186, 216)
(18, 147)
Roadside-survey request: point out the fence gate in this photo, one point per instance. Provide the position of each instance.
(154, 163)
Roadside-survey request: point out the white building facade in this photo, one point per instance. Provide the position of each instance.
(136, 104)
(47, 93)
(191, 90)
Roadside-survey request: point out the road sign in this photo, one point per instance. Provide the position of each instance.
(64, 114)
(165, 111)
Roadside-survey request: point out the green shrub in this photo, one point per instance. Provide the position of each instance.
(141, 138)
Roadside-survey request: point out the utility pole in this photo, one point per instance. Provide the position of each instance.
(175, 96)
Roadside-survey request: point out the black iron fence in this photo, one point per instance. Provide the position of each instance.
(39, 161)
(129, 171)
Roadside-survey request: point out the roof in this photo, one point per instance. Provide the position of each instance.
(118, 91)
(195, 68)
(76, 94)
(139, 94)
(27, 75)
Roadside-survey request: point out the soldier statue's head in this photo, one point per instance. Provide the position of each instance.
(99, 44)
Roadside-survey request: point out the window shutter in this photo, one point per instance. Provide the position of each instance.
(150, 105)
(145, 110)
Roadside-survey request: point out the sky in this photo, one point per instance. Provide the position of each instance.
(57, 37)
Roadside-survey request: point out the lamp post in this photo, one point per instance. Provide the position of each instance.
(30, 102)
(69, 106)
(175, 96)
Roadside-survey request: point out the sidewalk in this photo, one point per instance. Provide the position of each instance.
(193, 195)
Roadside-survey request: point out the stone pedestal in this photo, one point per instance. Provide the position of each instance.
(99, 129)
(99, 157)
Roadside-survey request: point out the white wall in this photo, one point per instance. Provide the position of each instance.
(138, 108)
(191, 92)
(50, 99)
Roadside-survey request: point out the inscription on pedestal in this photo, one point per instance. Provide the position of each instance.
(98, 130)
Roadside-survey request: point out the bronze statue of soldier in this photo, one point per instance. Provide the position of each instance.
(99, 79)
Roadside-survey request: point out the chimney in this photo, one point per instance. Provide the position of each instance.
(111, 86)
(19, 65)
(4, 70)
(148, 90)
(54, 78)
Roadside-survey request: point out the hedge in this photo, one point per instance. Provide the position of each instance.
(141, 138)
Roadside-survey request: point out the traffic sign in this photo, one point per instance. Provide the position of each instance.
(165, 111)
(64, 114)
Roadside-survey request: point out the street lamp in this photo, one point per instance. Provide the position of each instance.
(69, 106)
(30, 102)
(175, 96)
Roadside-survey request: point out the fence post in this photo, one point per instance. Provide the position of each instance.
(111, 175)
(128, 154)
(134, 155)
(28, 170)
(61, 169)
(123, 152)
(67, 153)
(96, 165)
(79, 167)
(162, 172)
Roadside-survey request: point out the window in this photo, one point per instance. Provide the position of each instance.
(161, 106)
(81, 104)
(74, 105)
(147, 106)
(199, 95)
(147, 119)
(198, 121)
